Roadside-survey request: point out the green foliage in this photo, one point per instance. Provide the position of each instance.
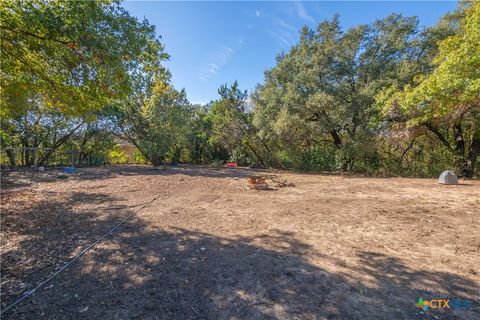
(217, 163)
(117, 156)
(238, 156)
(63, 62)
(175, 153)
(228, 118)
(286, 159)
(73, 56)
(312, 159)
(453, 87)
(324, 87)
(317, 158)
(155, 118)
(349, 88)
(386, 97)
(454, 84)
(232, 133)
(446, 101)
(425, 157)
(138, 157)
(198, 137)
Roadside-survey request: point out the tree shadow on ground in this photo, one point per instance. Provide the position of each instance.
(148, 273)
(189, 170)
(15, 179)
(40, 232)
(103, 172)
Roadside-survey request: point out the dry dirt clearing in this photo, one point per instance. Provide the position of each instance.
(332, 247)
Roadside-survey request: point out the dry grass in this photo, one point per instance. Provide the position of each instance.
(332, 247)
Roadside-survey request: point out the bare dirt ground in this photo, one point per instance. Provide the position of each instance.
(332, 247)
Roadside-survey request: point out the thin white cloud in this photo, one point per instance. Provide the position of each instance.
(217, 60)
(283, 24)
(226, 50)
(283, 31)
(281, 38)
(260, 14)
(302, 12)
(213, 68)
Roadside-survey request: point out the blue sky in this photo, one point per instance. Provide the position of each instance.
(212, 43)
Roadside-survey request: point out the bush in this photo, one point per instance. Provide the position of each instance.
(286, 159)
(238, 156)
(318, 158)
(175, 154)
(217, 163)
(117, 156)
(138, 157)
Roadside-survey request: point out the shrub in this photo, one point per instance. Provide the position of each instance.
(238, 156)
(318, 158)
(217, 163)
(117, 156)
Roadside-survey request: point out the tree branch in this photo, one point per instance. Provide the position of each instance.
(439, 135)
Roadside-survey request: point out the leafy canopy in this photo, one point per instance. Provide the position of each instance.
(74, 56)
(453, 87)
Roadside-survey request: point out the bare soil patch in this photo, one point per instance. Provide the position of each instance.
(331, 247)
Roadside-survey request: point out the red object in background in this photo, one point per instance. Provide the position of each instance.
(231, 164)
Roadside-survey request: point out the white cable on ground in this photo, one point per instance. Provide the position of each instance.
(28, 293)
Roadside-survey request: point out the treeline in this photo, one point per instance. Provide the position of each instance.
(390, 97)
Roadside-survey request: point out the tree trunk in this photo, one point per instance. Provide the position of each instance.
(11, 157)
(270, 154)
(27, 156)
(57, 144)
(337, 141)
(465, 164)
(336, 138)
(472, 156)
(439, 135)
(460, 160)
(255, 153)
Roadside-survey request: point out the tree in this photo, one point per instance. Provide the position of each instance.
(72, 57)
(39, 127)
(198, 136)
(232, 124)
(330, 80)
(447, 101)
(154, 117)
(228, 117)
